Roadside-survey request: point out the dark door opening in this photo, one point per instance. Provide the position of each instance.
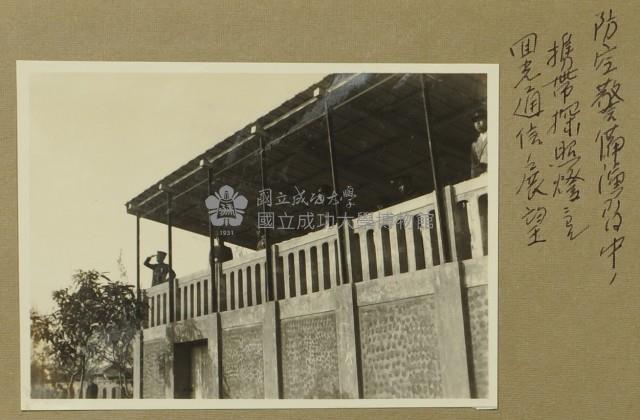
(188, 369)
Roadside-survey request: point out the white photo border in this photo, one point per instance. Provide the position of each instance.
(24, 69)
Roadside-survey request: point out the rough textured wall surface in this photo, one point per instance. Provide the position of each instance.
(477, 307)
(309, 357)
(154, 377)
(242, 368)
(400, 356)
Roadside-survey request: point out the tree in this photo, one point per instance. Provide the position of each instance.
(95, 321)
(118, 328)
(40, 366)
(45, 376)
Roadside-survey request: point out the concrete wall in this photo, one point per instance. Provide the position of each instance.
(477, 309)
(242, 363)
(156, 364)
(420, 334)
(310, 357)
(400, 356)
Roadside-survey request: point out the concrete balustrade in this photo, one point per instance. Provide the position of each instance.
(387, 241)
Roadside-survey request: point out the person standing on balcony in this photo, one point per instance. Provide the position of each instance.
(161, 271)
(221, 252)
(479, 147)
(262, 240)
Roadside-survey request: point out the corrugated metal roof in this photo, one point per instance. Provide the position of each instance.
(378, 125)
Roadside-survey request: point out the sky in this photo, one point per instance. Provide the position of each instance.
(96, 140)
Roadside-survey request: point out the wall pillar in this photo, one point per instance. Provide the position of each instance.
(275, 254)
(346, 335)
(377, 240)
(475, 226)
(364, 255)
(264, 278)
(236, 289)
(347, 232)
(409, 235)
(449, 203)
(320, 256)
(168, 363)
(137, 367)
(395, 249)
(308, 270)
(333, 267)
(451, 337)
(270, 355)
(214, 350)
(286, 275)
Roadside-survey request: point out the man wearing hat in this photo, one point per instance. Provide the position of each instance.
(161, 271)
(479, 147)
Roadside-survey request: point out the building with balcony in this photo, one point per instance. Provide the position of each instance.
(366, 250)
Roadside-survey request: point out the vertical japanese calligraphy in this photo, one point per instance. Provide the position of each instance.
(564, 130)
(555, 123)
(527, 111)
(607, 98)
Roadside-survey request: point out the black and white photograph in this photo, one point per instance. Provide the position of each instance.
(257, 235)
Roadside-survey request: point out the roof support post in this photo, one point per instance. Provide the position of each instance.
(351, 383)
(213, 261)
(444, 239)
(140, 311)
(268, 280)
(342, 259)
(138, 289)
(215, 271)
(170, 253)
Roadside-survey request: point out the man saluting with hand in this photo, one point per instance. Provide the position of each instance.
(161, 270)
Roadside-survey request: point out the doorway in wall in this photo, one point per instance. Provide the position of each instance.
(188, 369)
